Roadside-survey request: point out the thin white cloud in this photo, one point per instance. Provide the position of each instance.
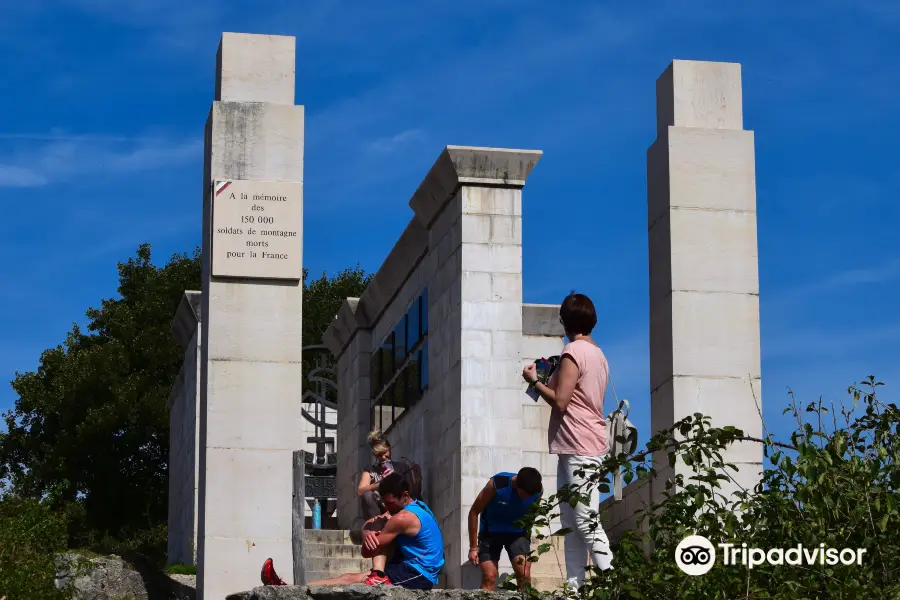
(841, 281)
(392, 143)
(808, 344)
(61, 157)
(12, 176)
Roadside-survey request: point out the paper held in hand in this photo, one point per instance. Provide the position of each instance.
(545, 369)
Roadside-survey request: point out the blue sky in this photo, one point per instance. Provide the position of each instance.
(105, 102)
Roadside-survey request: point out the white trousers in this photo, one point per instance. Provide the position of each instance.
(581, 540)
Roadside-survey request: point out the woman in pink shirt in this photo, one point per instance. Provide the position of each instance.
(577, 431)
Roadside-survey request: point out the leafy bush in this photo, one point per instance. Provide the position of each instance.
(835, 483)
(30, 536)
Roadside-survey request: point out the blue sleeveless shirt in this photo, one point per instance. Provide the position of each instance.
(506, 507)
(424, 551)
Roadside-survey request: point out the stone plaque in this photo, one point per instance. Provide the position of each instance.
(257, 229)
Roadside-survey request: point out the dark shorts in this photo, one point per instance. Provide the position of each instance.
(403, 575)
(490, 545)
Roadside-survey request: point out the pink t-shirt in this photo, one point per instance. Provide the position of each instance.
(581, 430)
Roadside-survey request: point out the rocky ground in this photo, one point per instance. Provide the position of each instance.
(112, 578)
(363, 592)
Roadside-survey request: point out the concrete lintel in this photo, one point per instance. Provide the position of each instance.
(702, 94)
(342, 328)
(468, 165)
(255, 68)
(409, 249)
(541, 319)
(187, 316)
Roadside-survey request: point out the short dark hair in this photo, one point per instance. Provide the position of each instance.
(528, 480)
(394, 484)
(577, 314)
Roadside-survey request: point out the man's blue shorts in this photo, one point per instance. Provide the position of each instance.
(403, 575)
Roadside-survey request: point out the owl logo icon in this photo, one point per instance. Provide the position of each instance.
(695, 555)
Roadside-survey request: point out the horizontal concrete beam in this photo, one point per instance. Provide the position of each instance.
(187, 316)
(342, 328)
(409, 249)
(362, 313)
(458, 165)
(542, 319)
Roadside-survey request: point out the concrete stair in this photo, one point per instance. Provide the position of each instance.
(330, 553)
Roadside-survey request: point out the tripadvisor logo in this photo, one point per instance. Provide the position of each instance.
(696, 555)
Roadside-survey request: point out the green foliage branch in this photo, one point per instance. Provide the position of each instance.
(834, 483)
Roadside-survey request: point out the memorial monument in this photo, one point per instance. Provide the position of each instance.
(458, 262)
(432, 351)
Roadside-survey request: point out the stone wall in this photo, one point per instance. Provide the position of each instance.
(183, 412)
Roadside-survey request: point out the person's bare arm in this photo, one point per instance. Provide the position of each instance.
(377, 522)
(404, 522)
(481, 502)
(365, 484)
(560, 396)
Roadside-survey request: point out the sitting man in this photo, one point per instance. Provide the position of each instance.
(501, 503)
(408, 551)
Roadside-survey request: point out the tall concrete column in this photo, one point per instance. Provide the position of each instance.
(704, 284)
(250, 419)
(353, 347)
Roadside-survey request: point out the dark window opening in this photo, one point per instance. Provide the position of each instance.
(399, 366)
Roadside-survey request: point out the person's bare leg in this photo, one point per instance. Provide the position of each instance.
(522, 569)
(379, 561)
(488, 575)
(346, 579)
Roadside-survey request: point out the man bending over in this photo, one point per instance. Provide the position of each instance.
(504, 500)
(409, 550)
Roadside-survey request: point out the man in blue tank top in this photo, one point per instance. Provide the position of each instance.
(408, 551)
(505, 499)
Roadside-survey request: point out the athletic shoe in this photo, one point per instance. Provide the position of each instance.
(377, 578)
(268, 574)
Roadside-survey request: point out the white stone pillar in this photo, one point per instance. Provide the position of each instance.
(352, 345)
(472, 203)
(704, 284)
(251, 365)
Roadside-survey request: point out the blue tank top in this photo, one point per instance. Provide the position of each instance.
(506, 507)
(424, 551)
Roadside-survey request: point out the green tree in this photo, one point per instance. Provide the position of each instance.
(322, 298)
(90, 427)
(835, 482)
(89, 433)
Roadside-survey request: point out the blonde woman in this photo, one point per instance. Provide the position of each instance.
(371, 476)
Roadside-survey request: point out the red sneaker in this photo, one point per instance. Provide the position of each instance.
(268, 574)
(377, 578)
